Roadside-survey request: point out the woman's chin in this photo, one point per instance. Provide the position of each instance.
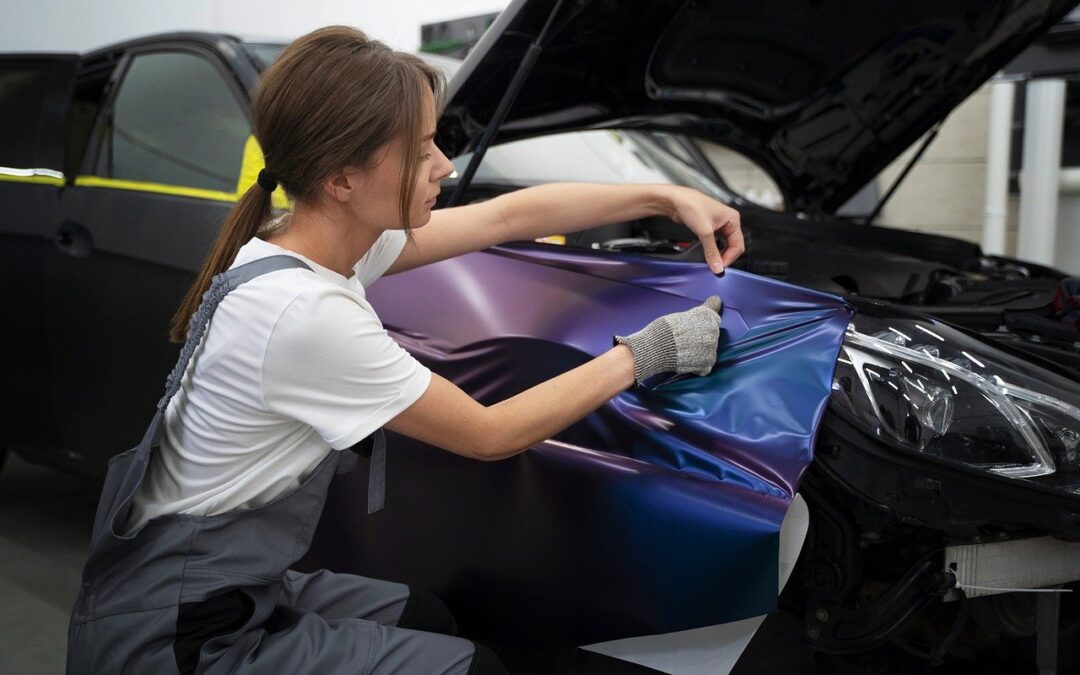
(421, 220)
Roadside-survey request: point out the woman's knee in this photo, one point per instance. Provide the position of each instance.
(424, 611)
(485, 662)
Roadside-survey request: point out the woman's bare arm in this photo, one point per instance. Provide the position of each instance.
(447, 417)
(562, 208)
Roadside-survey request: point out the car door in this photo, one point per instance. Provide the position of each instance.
(161, 175)
(35, 96)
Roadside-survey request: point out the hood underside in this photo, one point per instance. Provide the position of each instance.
(823, 95)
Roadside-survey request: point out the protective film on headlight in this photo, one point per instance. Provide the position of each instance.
(929, 389)
(658, 513)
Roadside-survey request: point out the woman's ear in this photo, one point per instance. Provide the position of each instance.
(339, 186)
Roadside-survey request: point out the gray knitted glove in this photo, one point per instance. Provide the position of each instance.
(684, 342)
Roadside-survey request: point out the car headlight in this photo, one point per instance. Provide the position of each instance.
(930, 389)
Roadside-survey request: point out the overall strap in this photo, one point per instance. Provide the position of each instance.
(220, 286)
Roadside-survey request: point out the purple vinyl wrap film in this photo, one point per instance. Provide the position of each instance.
(659, 512)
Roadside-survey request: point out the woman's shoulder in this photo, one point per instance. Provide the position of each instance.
(256, 249)
(311, 278)
(380, 256)
(305, 295)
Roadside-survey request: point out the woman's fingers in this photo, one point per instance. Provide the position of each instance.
(732, 233)
(712, 252)
(706, 217)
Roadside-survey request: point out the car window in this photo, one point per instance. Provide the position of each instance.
(86, 103)
(23, 87)
(175, 121)
(33, 102)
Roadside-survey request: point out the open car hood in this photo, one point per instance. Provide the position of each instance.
(823, 95)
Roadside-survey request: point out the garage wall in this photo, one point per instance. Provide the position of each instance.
(63, 25)
(1068, 234)
(945, 192)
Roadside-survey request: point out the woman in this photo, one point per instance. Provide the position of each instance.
(198, 525)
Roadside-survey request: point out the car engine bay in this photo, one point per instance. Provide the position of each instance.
(1009, 301)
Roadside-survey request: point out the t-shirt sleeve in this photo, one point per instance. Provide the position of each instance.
(380, 256)
(329, 363)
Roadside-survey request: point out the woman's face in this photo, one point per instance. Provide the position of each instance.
(376, 200)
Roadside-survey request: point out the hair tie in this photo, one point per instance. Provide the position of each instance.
(266, 181)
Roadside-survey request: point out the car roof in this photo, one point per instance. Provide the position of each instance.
(205, 38)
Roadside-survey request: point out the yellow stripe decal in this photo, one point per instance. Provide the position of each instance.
(253, 162)
(157, 188)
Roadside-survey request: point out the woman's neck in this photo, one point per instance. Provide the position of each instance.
(332, 243)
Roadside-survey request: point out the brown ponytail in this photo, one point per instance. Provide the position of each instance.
(330, 101)
(243, 222)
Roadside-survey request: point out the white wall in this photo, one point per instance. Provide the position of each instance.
(1067, 257)
(945, 192)
(67, 25)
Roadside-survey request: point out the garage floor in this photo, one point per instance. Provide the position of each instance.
(45, 521)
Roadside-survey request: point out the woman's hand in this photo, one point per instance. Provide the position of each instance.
(562, 208)
(705, 217)
(684, 342)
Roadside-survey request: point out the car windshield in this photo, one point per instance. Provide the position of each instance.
(622, 156)
(679, 160)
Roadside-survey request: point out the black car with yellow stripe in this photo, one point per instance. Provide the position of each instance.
(116, 169)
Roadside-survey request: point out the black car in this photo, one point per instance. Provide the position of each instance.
(117, 167)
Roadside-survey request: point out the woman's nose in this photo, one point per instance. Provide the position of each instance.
(446, 167)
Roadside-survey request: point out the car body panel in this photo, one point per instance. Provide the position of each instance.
(658, 513)
(131, 240)
(712, 650)
(101, 238)
(35, 95)
(142, 253)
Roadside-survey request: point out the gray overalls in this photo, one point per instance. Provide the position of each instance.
(225, 579)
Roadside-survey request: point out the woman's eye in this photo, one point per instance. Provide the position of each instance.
(426, 156)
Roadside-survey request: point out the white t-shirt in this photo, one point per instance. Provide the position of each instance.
(294, 363)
